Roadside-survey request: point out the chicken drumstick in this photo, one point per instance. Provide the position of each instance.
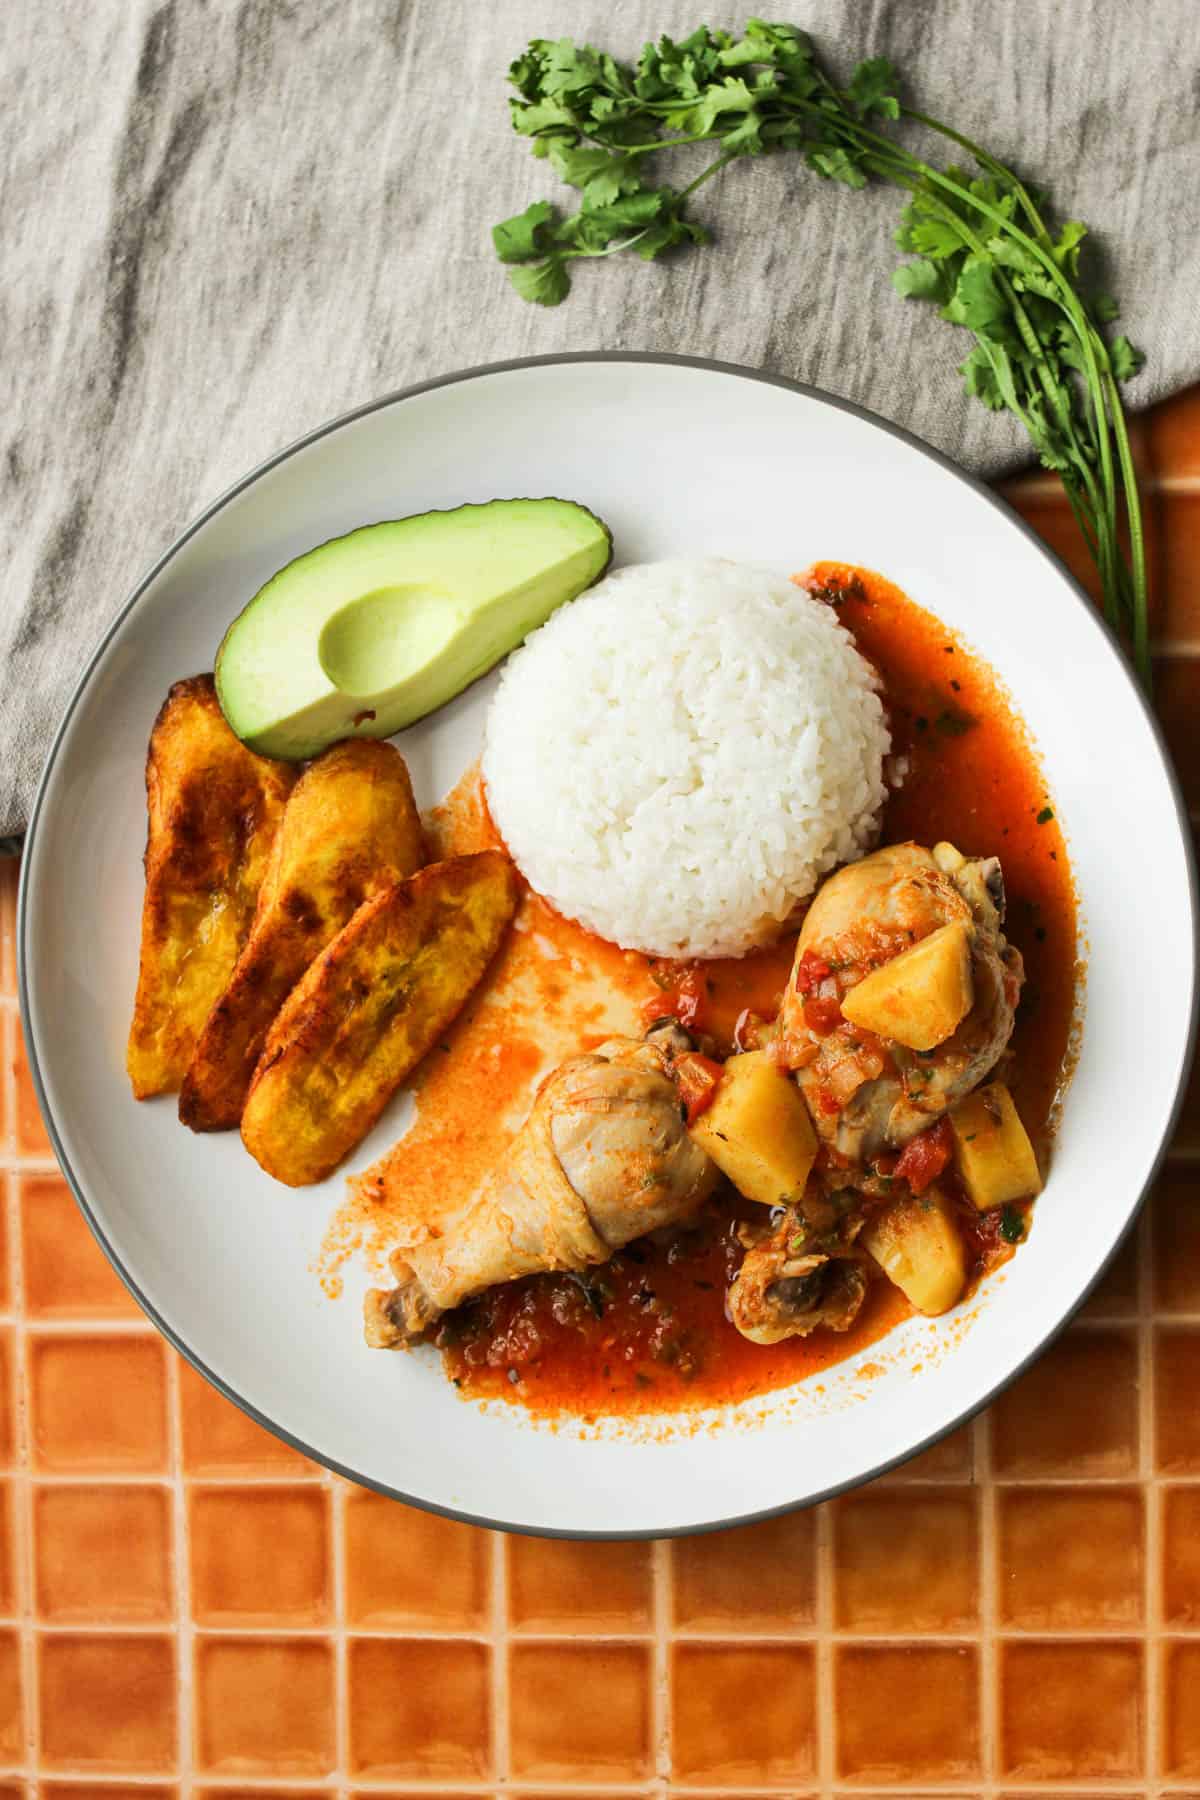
(603, 1158)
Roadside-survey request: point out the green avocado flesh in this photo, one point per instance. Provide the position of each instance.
(371, 631)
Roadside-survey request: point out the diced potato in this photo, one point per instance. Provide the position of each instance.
(758, 1131)
(992, 1149)
(921, 996)
(917, 1244)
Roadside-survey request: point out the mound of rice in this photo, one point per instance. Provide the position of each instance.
(677, 757)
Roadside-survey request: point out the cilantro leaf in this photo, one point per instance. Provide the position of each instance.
(978, 303)
(745, 139)
(1028, 276)
(1012, 1225)
(747, 50)
(540, 115)
(1125, 359)
(933, 237)
(837, 164)
(567, 69)
(729, 95)
(545, 283)
(576, 164)
(873, 88)
(981, 381)
(1066, 248)
(628, 211)
(666, 235)
(1069, 347)
(784, 43)
(918, 281)
(523, 237)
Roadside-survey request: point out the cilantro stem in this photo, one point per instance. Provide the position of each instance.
(671, 143)
(1104, 545)
(985, 161)
(609, 250)
(1101, 543)
(1083, 327)
(1137, 541)
(714, 168)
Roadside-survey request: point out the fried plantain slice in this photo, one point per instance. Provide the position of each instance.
(376, 999)
(350, 829)
(214, 809)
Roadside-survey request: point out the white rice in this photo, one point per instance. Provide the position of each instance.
(677, 757)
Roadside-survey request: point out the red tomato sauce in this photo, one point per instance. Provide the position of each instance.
(647, 1331)
(975, 779)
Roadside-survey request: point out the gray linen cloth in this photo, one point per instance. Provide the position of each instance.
(226, 222)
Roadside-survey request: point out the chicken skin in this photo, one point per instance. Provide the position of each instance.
(603, 1158)
(792, 1281)
(866, 1092)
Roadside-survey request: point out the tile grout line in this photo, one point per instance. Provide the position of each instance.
(71, 1477)
(544, 1640)
(267, 1783)
(1042, 487)
(185, 1636)
(989, 1660)
(22, 1489)
(122, 1325)
(826, 1770)
(499, 1660)
(336, 1526)
(660, 1669)
(254, 1483)
(1152, 1490)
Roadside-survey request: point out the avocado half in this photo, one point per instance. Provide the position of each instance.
(371, 631)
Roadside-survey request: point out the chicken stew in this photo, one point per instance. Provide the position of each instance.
(799, 1147)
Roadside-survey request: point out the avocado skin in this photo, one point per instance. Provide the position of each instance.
(327, 713)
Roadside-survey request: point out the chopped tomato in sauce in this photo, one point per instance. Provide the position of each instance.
(811, 971)
(697, 1078)
(925, 1158)
(822, 1014)
(683, 995)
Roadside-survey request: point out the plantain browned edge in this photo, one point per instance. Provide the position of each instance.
(214, 808)
(317, 1091)
(350, 829)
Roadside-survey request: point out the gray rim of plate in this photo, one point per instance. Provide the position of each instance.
(348, 418)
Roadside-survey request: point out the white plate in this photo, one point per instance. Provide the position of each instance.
(680, 458)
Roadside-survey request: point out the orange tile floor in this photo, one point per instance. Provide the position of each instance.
(188, 1605)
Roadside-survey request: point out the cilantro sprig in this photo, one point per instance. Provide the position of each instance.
(985, 250)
